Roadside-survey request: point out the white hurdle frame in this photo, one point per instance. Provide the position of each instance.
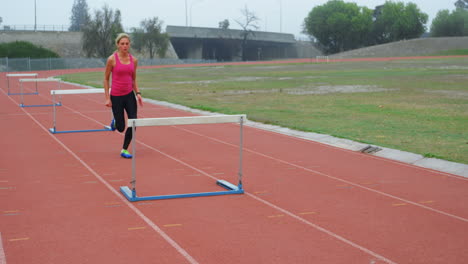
(131, 194)
(36, 80)
(20, 75)
(54, 130)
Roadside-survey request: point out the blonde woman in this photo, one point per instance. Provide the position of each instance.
(124, 93)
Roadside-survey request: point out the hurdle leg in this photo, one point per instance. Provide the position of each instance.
(134, 160)
(53, 129)
(241, 147)
(22, 95)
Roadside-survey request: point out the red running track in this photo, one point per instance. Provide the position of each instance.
(305, 202)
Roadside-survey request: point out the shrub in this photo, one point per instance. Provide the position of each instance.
(23, 49)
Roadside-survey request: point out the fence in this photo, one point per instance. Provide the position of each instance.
(27, 64)
(42, 28)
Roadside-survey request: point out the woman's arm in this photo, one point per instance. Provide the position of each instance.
(135, 83)
(109, 66)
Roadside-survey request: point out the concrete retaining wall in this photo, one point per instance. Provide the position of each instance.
(413, 47)
(65, 44)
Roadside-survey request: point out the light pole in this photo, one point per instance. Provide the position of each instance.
(281, 16)
(35, 17)
(186, 14)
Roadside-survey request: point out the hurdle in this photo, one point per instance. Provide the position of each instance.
(131, 194)
(54, 130)
(36, 80)
(20, 75)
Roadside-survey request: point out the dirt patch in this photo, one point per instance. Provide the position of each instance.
(317, 90)
(326, 89)
(235, 79)
(451, 94)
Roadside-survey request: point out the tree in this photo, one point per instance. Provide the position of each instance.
(248, 25)
(461, 4)
(339, 26)
(396, 21)
(150, 37)
(447, 24)
(101, 30)
(1, 20)
(80, 15)
(224, 24)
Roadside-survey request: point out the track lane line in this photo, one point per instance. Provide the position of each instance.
(336, 236)
(332, 177)
(317, 227)
(2, 252)
(155, 227)
(357, 153)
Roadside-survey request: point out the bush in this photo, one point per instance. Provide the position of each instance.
(23, 49)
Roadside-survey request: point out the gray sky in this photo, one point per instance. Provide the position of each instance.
(200, 13)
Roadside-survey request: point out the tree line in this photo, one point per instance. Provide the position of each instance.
(336, 25)
(101, 28)
(339, 26)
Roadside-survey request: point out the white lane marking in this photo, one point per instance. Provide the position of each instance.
(335, 178)
(2, 252)
(328, 232)
(156, 228)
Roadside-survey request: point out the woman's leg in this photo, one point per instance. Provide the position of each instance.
(130, 106)
(118, 112)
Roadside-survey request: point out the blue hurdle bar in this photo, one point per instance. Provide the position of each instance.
(44, 105)
(132, 196)
(54, 131)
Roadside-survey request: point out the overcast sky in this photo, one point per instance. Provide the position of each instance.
(286, 16)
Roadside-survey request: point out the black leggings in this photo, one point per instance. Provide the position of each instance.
(119, 104)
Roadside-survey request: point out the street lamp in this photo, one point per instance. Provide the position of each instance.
(35, 17)
(281, 16)
(186, 16)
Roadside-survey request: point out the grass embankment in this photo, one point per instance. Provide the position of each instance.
(419, 106)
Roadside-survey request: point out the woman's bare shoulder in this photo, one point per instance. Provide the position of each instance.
(111, 58)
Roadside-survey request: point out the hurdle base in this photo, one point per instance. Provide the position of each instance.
(23, 93)
(54, 131)
(231, 189)
(57, 104)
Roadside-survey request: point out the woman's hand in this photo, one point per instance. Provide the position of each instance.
(108, 103)
(140, 100)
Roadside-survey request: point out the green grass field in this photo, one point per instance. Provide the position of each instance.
(420, 106)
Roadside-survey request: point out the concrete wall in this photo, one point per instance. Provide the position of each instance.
(65, 44)
(216, 33)
(412, 47)
(68, 44)
(306, 49)
(227, 44)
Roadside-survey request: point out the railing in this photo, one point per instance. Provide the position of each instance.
(41, 28)
(34, 28)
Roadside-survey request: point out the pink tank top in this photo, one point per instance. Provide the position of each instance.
(122, 77)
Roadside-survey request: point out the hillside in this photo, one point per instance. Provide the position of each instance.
(413, 47)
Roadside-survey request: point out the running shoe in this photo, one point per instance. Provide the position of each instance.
(125, 154)
(112, 125)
